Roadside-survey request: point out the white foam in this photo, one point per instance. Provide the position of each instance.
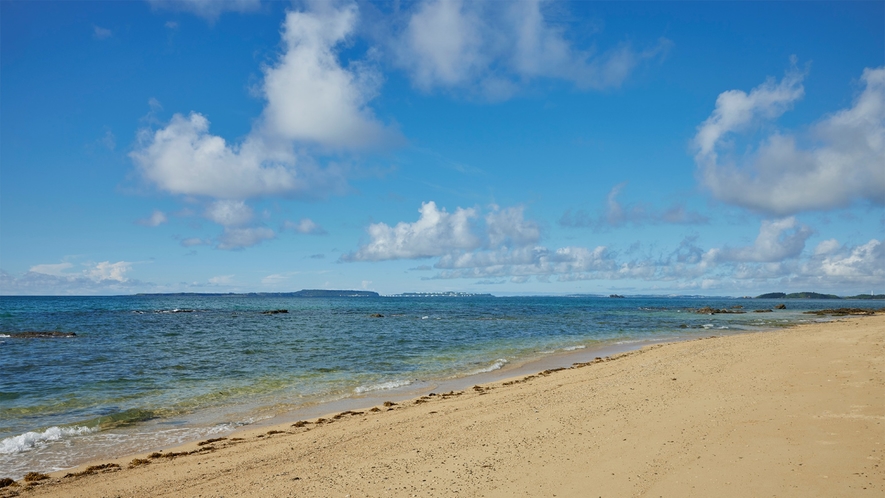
(498, 364)
(4, 336)
(393, 384)
(30, 440)
(572, 348)
(708, 325)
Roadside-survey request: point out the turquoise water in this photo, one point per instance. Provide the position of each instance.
(150, 371)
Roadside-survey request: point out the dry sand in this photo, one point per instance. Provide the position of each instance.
(795, 412)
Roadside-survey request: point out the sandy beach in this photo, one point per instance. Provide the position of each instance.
(793, 412)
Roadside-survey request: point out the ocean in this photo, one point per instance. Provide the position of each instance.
(141, 373)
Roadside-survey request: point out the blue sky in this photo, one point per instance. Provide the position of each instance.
(712, 148)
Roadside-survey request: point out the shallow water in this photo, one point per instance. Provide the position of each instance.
(153, 371)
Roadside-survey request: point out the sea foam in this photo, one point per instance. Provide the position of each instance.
(30, 440)
(497, 365)
(393, 384)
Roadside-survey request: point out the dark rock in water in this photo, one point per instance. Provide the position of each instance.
(706, 310)
(781, 307)
(616, 296)
(376, 315)
(842, 312)
(38, 335)
(761, 311)
(274, 312)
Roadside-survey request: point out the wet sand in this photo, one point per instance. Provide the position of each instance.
(793, 412)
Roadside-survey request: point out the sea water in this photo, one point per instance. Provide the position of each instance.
(145, 372)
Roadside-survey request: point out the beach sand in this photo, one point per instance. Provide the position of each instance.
(794, 412)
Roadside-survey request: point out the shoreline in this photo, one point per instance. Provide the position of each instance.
(268, 440)
(364, 400)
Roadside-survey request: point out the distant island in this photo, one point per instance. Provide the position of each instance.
(301, 293)
(815, 295)
(440, 294)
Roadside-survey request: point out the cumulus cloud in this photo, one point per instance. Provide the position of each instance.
(310, 96)
(617, 214)
(836, 163)
(156, 218)
(313, 103)
(435, 233)
(305, 226)
(864, 264)
(210, 10)
(777, 240)
(494, 47)
(184, 158)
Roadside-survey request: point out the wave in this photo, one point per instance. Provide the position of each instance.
(497, 365)
(572, 348)
(30, 440)
(393, 384)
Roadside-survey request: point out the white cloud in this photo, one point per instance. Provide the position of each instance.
(862, 264)
(229, 213)
(210, 10)
(440, 233)
(183, 158)
(240, 238)
(51, 269)
(156, 218)
(109, 271)
(43, 284)
(501, 245)
(826, 247)
(777, 240)
(312, 101)
(508, 227)
(310, 96)
(305, 226)
(493, 48)
(838, 163)
(435, 233)
(96, 272)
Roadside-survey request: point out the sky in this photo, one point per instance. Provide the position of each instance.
(526, 147)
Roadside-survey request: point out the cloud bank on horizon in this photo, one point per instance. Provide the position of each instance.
(354, 92)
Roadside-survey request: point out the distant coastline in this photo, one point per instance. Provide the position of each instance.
(360, 293)
(301, 293)
(815, 295)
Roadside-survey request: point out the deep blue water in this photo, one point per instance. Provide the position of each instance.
(147, 371)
